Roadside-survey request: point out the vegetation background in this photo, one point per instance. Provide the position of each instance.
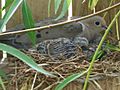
(39, 10)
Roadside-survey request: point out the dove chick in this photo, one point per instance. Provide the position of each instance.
(61, 48)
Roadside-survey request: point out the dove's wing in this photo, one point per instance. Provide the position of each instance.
(66, 31)
(88, 28)
(17, 41)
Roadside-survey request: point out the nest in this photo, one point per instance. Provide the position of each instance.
(23, 77)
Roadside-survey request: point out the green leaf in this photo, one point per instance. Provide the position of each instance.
(57, 5)
(49, 3)
(92, 4)
(10, 12)
(66, 5)
(2, 84)
(100, 54)
(0, 11)
(7, 3)
(28, 21)
(68, 80)
(26, 59)
(112, 47)
(1, 22)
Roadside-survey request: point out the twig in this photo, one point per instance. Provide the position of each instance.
(36, 88)
(16, 82)
(49, 87)
(59, 74)
(67, 63)
(34, 81)
(117, 31)
(98, 85)
(61, 23)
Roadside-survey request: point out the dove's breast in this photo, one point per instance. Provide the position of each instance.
(88, 33)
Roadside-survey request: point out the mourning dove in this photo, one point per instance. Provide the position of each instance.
(89, 28)
(67, 48)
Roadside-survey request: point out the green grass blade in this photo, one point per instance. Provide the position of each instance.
(10, 13)
(66, 5)
(112, 47)
(26, 59)
(57, 5)
(92, 4)
(2, 84)
(68, 80)
(100, 54)
(28, 21)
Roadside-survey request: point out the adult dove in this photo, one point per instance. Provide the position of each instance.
(89, 28)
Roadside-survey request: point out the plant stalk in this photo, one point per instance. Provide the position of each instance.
(98, 48)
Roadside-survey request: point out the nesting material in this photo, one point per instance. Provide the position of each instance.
(23, 75)
(63, 57)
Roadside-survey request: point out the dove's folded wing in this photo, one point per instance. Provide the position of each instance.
(89, 28)
(65, 31)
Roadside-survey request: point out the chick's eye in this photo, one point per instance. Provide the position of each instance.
(97, 23)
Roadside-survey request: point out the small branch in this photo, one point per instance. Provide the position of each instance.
(61, 23)
(38, 86)
(34, 81)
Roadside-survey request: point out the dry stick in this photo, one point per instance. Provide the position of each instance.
(16, 83)
(59, 24)
(34, 81)
(117, 31)
(38, 86)
(50, 86)
(97, 84)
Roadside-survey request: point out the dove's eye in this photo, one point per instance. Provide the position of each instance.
(46, 32)
(97, 23)
(38, 35)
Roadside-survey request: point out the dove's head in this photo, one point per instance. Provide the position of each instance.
(93, 26)
(96, 23)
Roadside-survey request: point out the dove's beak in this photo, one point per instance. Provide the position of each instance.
(105, 27)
